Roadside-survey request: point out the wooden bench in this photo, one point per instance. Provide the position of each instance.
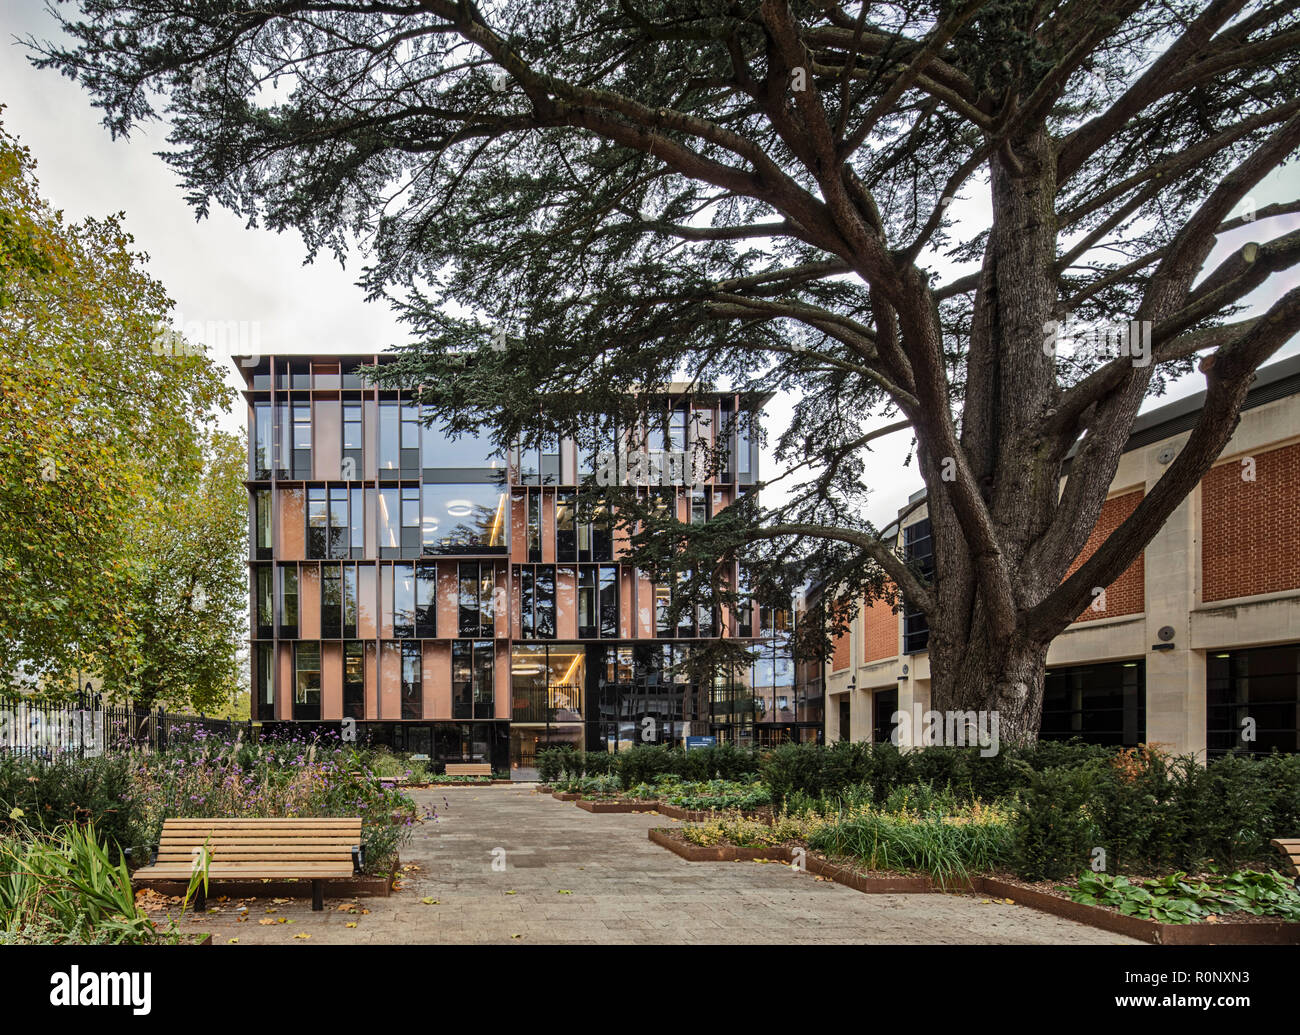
(469, 769)
(258, 849)
(1290, 849)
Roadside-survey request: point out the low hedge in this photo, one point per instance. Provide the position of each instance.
(1076, 805)
(646, 763)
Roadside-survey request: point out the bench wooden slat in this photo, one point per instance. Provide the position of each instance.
(1290, 849)
(343, 844)
(289, 824)
(224, 856)
(469, 769)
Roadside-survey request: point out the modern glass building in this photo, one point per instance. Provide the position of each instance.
(472, 606)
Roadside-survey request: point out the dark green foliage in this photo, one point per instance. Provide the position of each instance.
(551, 763)
(1176, 899)
(1232, 819)
(643, 763)
(1147, 811)
(1053, 833)
(93, 790)
(796, 767)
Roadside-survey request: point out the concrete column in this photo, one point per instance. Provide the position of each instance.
(1175, 673)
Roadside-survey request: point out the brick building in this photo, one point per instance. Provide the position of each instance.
(1196, 646)
(459, 603)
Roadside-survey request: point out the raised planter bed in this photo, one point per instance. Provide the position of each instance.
(1222, 932)
(599, 807)
(461, 784)
(566, 795)
(703, 816)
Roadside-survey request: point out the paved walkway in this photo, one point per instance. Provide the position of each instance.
(572, 877)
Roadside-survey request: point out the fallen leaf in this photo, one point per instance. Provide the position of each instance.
(430, 901)
(302, 935)
(350, 923)
(232, 941)
(266, 921)
(512, 893)
(564, 891)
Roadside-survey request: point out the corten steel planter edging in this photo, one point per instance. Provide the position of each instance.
(1225, 932)
(718, 853)
(623, 807)
(704, 815)
(565, 795)
(661, 807)
(1151, 931)
(462, 785)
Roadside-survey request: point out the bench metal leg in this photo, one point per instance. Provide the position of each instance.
(317, 895)
(200, 900)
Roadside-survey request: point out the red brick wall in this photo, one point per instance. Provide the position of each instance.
(840, 659)
(880, 631)
(1250, 531)
(1126, 595)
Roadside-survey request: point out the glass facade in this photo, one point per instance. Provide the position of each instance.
(307, 681)
(1253, 700)
(472, 694)
(918, 549)
(1100, 704)
(388, 582)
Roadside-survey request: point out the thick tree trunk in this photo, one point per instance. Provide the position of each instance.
(975, 671)
(974, 667)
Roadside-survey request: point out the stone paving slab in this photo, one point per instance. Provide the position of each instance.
(565, 876)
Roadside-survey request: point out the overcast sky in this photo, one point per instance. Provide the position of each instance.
(219, 271)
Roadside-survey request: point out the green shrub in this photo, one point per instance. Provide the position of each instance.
(716, 794)
(550, 763)
(1233, 818)
(1280, 774)
(68, 790)
(643, 763)
(61, 886)
(1053, 833)
(794, 767)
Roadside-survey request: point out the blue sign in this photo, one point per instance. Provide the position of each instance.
(701, 742)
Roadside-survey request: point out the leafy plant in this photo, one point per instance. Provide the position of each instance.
(945, 847)
(1177, 899)
(61, 886)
